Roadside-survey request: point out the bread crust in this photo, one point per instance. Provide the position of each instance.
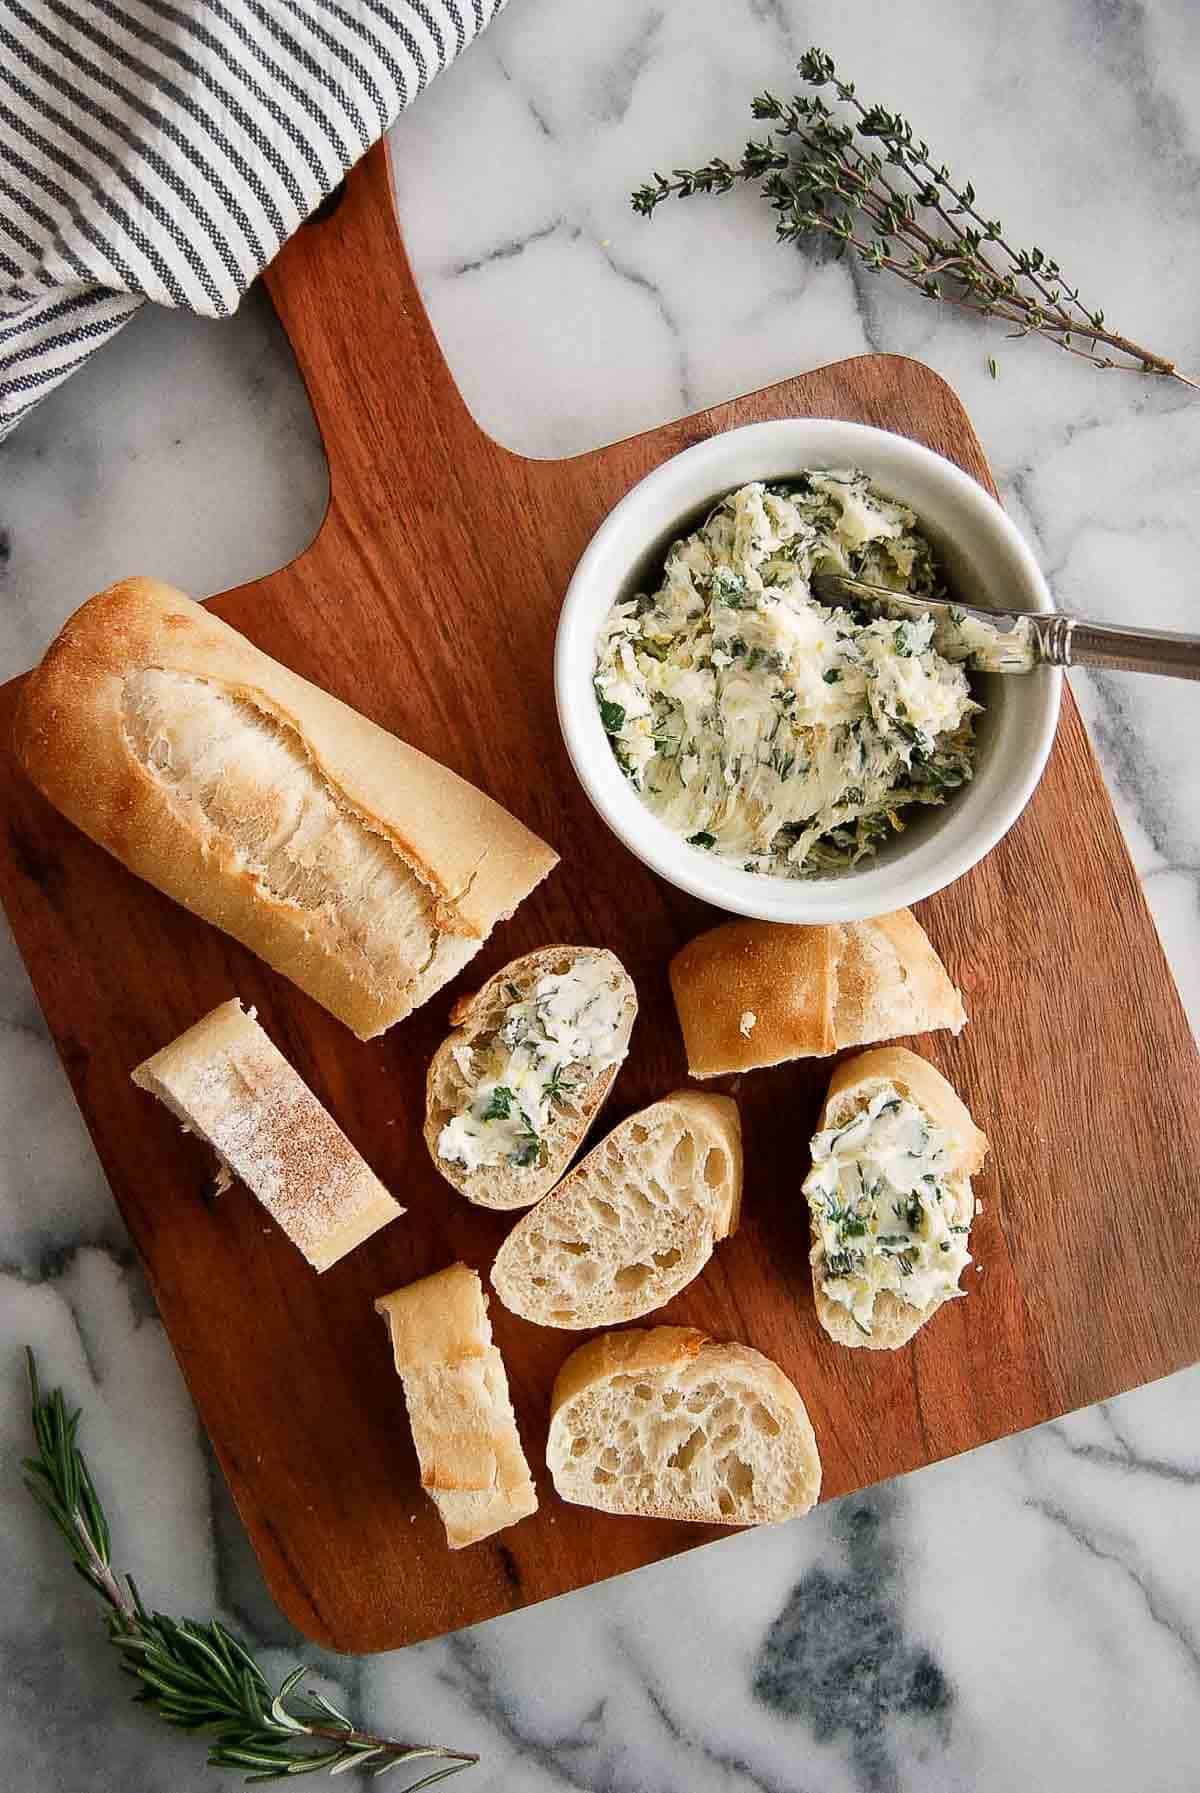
(710, 1215)
(784, 976)
(227, 1081)
(720, 1117)
(811, 990)
(498, 1186)
(456, 1392)
(894, 1322)
(475, 860)
(890, 981)
(691, 1354)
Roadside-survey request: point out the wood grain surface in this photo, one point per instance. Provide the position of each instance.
(429, 600)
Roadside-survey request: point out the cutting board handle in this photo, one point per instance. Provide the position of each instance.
(429, 601)
(375, 373)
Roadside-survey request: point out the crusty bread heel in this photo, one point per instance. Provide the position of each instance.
(227, 1082)
(754, 993)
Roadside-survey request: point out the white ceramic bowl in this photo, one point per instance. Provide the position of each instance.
(987, 562)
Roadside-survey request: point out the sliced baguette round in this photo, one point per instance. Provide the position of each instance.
(851, 1088)
(753, 993)
(633, 1223)
(668, 1424)
(447, 1090)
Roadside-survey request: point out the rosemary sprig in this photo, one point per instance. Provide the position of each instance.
(862, 179)
(197, 1674)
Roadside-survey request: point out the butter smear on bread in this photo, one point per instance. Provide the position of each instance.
(883, 1212)
(550, 1043)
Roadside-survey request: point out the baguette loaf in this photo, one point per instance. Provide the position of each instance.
(513, 1090)
(752, 993)
(227, 1082)
(634, 1223)
(668, 1424)
(351, 863)
(456, 1392)
(954, 1149)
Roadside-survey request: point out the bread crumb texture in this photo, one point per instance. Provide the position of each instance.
(670, 1424)
(631, 1225)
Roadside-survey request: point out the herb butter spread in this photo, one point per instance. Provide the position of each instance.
(883, 1212)
(549, 1045)
(763, 726)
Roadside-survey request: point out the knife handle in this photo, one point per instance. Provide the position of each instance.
(1068, 641)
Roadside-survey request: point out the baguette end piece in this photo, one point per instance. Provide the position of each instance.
(754, 993)
(783, 977)
(197, 761)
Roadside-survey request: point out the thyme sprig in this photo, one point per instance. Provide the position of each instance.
(195, 1673)
(862, 179)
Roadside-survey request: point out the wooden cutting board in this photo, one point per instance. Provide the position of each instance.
(429, 600)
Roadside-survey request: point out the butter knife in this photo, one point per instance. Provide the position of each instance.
(1018, 641)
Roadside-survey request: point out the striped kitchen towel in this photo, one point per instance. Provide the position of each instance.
(167, 149)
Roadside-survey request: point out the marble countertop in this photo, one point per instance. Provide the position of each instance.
(1027, 1616)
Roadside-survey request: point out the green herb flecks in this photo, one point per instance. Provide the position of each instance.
(557, 1087)
(528, 1148)
(500, 1103)
(691, 751)
(611, 715)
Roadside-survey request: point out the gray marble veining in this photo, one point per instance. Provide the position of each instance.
(1028, 1616)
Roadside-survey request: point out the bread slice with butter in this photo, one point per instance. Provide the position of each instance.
(512, 1092)
(753, 993)
(634, 1223)
(668, 1424)
(227, 1082)
(456, 1391)
(890, 1198)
